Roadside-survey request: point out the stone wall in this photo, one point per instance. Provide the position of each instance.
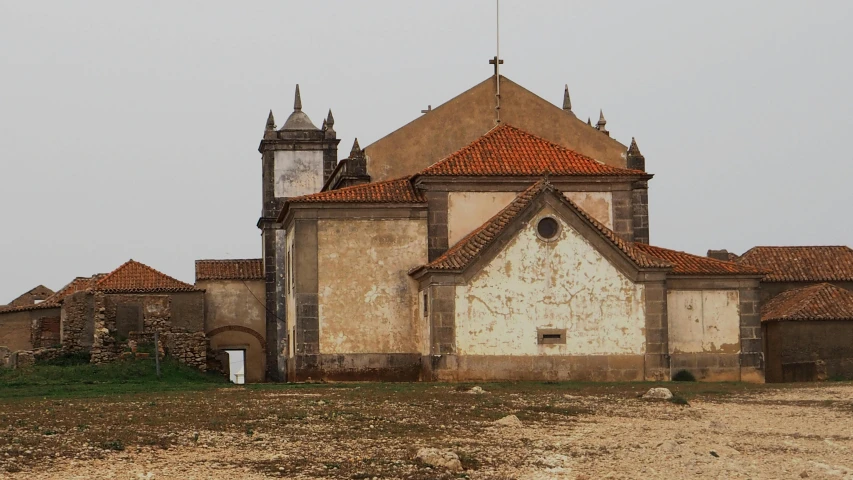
(77, 325)
(188, 348)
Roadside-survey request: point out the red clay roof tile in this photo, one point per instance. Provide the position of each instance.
(135, 277)
(399, 190)
(508, 151)
(823, 301)
(53, 301)
(802, 264)
(237, 269)
(687, 264)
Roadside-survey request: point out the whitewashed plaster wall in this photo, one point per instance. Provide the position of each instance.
(534, 284)
(367, 300)
(298, 172)
(468, 210)
(703, 321)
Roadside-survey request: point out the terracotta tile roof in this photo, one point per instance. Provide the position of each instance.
(687, 264)
(238, 269)
(399, 190)
(24, 308)
(55, 300)
(135, 277)
(507, 151)
(802, 264)
(469, 248)
(823, 301)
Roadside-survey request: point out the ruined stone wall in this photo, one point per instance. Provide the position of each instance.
(188, 348)
(77, 323)
(563, 284)
(45, 331)
(111, 338)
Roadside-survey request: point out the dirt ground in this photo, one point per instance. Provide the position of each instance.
(364, 431)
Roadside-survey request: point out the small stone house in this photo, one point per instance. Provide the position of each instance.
(121, 310)
(807, 312)
(808, 334)
(234, 317)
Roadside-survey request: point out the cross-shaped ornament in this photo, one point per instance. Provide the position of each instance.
(494, 61)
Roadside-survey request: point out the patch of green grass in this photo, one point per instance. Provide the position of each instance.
(87, 380)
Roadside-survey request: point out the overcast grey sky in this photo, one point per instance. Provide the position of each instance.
(130, 130)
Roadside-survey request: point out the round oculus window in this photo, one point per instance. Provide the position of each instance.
(548, 228)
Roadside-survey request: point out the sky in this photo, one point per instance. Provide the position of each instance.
(130, 129)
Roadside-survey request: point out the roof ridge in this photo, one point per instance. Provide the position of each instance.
(519, 153)
(103, 281)
(701, 265)
(821, 301)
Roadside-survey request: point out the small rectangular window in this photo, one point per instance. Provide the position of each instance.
(551, 336)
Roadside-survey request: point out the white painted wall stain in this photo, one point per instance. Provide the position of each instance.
(703, 321)
(368, 302)
(298, 172)
(599, 205)
(565, 283)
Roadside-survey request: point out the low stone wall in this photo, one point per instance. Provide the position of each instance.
(6, 358)
(188, 348)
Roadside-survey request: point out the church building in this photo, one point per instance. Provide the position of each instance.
(495, 237)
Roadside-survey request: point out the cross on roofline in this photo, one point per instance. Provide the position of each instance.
(494, 61)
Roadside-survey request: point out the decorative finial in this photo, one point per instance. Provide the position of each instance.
(270, 122)
(634, 149)
(356, 150)
(635, 159)
(567, 101)
(600, 126)
(330, 120)
(297, 101)
(589, 121)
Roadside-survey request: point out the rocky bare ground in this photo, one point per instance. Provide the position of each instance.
(389, 430)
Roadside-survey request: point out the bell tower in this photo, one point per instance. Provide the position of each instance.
(297, 159)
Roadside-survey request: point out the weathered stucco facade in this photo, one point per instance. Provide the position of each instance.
(366, 298)
(562, 284)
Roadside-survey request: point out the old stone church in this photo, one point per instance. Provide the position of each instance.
(494, 237)
(477, 243)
